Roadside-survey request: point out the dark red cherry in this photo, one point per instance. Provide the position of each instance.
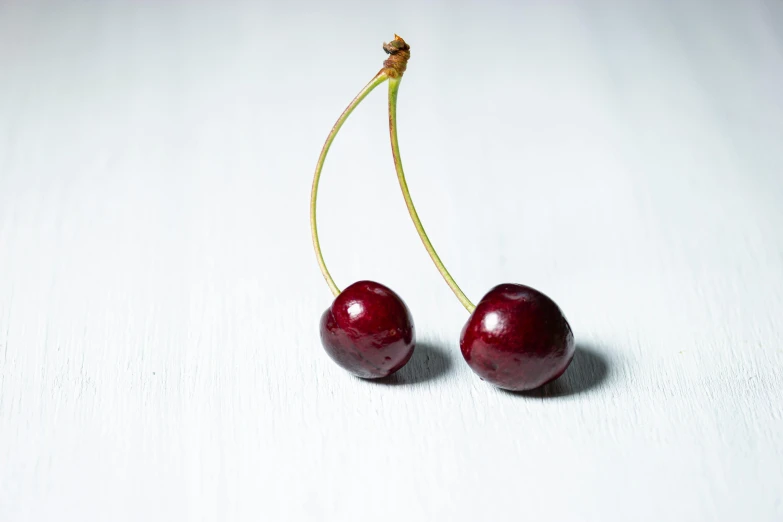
(368, 330)
(517, 338)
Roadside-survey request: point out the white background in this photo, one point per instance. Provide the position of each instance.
(159, 298)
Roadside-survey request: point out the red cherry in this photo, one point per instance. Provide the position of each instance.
(368, 330)
(517, 338)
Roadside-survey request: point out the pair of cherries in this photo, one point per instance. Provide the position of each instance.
(515, 338)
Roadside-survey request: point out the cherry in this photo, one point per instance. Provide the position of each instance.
(517, 338)
(368, 330)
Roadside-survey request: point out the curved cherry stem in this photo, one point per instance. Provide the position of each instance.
(375, 82)
(394, 85)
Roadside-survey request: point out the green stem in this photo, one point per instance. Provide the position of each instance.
(375, 82)
(394, 85)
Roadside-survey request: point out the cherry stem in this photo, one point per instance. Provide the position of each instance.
(375, 82)
(394, 85)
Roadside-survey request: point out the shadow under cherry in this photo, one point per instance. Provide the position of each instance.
(588, 371)
(428, 363)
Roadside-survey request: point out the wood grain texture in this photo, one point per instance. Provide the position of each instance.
(159, 300)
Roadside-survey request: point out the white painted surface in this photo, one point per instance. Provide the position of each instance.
(159, 300)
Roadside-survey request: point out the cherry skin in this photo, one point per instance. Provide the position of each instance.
(368, 330)
(517, 338)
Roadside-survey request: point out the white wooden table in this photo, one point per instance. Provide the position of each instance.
(159, 299)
